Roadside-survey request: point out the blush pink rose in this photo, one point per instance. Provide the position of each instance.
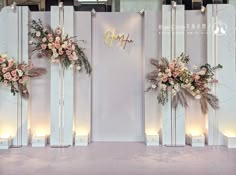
(4, 70)
(2, 60)
(43, 46)
(68, 52)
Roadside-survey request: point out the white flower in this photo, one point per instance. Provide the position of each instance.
(73, 47)
(75, 57)
(78, 68)
(173, 92)
(205, 86)
(50, 46)
(159, 74)
(3, 65)
(44, 30)
(55, 55)
(154, 86)
(58, 38)
(44, 39)
(186, 81)
(194, 67)
(197, 92)
(4, 56)
(176, 87)
(20, 73)
(71, 66)
(63, 46)
(30, 42)
(202, 72)
(192, 88)
(38, 34)
(163, 86)
(198, 97)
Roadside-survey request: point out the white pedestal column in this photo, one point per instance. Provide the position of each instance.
(62, 86)
(173, 44)
(14, 42)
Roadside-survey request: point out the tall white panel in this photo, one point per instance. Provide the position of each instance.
(221, 50)
(82, 86)
(62, 93)
(152, 49)
(14, 109)
(117, 85)
(196, 48)
(40, 88)
(173, 44)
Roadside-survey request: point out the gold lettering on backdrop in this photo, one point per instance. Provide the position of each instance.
(111, 36)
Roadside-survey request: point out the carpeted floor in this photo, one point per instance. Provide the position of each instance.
(105, 158)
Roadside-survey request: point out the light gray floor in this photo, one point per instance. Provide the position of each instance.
(118, 159)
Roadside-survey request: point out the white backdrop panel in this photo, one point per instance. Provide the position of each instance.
(117, 109)
(196, 48)
(40, 89)
(82, 89)
(152, 49)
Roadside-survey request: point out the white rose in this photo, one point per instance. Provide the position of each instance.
(75, 57)
(186, 81)
(38, 34)
(173, 92)
(4, 56)
(198, 97)
(78, 68)
(55, 55)
(194, 67)
(50, 46)
(73, 47)
(202, 72)
(154, 86)
(44, 39)
(192, 88)
(71, 66)
(63, 46)
(20, 73)
(197, 92)
(164, 86)
(176, 87)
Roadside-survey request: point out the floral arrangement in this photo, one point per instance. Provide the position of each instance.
(17, 75)
(176, 79)
(57, 47)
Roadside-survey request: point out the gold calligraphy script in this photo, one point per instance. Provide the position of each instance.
(111, 36)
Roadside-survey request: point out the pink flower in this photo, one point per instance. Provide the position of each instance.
(2, 60)
(13, 73)
(215, 81)
(25, 91)
(175, 74)
(164, 79)
(196, 77)
(5, 83)
(4, 70)
(68, 52)
(71, 57)
(68, 46)
(50, 39)
(58, 31)
(61, 52)
(172, 66)
(49, 35)
(58, 46)
(43, 46)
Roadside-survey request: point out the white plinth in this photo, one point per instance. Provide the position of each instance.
(81, 140)
(5, 143)
(197, 141)
(230, 142)
(152, 140)
(39, 141)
